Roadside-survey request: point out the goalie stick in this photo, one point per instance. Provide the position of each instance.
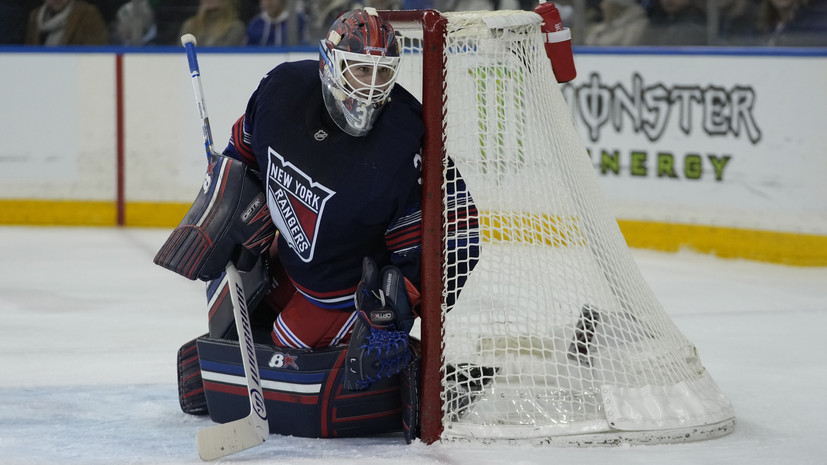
(234, 436)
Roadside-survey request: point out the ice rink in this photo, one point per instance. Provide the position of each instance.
(90, 329)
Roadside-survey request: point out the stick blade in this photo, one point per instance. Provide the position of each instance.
(228, 438)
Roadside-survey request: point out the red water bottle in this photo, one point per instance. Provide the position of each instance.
(558, 42)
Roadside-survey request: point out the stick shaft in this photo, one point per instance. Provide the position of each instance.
(228, 438)
(245, 342)
(195, 73)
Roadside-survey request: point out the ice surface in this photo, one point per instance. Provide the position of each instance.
(90, 329)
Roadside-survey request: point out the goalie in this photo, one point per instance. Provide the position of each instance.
(317, 200)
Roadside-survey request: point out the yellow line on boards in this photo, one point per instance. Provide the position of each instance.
(552, 230)
(764, 246)
(155, 215)
(58, 212)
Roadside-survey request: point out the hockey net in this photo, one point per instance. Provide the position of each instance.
(556, 337)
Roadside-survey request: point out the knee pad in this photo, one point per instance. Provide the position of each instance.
(302, 391)
(257, 283)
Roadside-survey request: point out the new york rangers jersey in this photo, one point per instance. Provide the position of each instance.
(334, 198)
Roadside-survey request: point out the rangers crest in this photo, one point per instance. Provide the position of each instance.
(296, 204)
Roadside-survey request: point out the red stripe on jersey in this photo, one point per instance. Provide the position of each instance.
(326, 295)
(410, 238)
(243, 149)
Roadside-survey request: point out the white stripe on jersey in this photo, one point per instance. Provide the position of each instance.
(345, 328)
(286, 336)
(335, 300)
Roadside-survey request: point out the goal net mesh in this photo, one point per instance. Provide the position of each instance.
(555, 336)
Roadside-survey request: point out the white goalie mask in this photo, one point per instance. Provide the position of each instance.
(357, 65)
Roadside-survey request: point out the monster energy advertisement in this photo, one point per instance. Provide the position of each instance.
(647, 109)
(706, 139)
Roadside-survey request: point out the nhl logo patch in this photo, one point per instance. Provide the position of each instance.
(320, 135)
(296, 204)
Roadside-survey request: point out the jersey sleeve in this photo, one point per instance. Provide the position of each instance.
(404, 236)
(403, 239)
(240, 146)
(463, 234)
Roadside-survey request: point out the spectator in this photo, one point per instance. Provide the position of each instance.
(322, 15)
(675, 22)
(275, 26)
(417, 4)
(386, 4)
(169, 16)
(624, 22)
(216, 24)
(135, 24)
(66, 22)
(478, 5)
(792, 22)
(381, 4)
(13, 14)
(249, 9)
(579, 17)
(736, 22)
(108, 8)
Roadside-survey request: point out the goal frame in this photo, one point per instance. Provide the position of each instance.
(434, 27)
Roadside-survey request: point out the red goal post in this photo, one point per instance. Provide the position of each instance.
(433, 27)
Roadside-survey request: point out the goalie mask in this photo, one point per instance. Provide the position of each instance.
(357, 66)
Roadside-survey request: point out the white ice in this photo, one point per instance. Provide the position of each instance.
(89, 329)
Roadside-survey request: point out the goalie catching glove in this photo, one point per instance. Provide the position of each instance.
(378, 345)
(228, 222)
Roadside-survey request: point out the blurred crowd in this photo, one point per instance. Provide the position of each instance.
(304, 22)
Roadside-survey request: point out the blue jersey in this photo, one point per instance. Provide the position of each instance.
(334, 198)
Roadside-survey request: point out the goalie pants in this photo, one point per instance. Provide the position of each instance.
(301, 324)
(297, 322)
